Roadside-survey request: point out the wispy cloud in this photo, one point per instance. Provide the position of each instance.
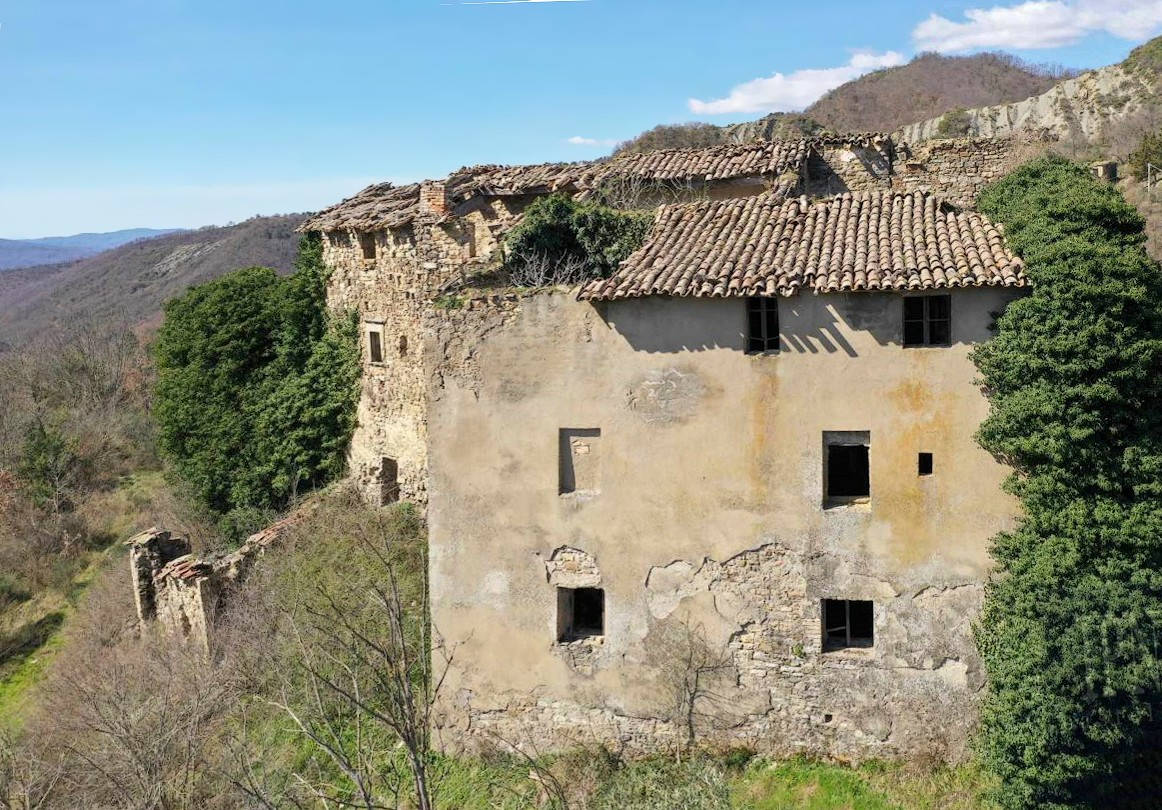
(509, 2)
(793, 91)
(1039, 24)
(578, 140)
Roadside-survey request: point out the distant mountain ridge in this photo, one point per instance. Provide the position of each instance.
(16, 253)
(129, 284)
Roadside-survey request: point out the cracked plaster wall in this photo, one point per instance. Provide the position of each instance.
(710, 516)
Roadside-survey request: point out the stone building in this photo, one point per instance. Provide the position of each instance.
(744, 461)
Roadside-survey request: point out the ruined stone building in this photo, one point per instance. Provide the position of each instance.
(748, 455)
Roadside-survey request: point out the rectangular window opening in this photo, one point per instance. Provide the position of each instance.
(928, 320)
(848, 623)
(375, 344)
(367, 245)
(388, 481)
(578, 460)
(846, 472)
(580, 613)
(762, 325)
(925, 464)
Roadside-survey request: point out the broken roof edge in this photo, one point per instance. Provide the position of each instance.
(587, 174)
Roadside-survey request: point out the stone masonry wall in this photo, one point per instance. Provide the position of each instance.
(180, 594)
(958, 168)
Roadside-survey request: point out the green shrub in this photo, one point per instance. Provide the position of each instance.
(563, 241)
(257, 385)
(1149, 151)
(1069, 631)
(954, 124)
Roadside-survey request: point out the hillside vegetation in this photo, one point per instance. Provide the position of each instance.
(928, 86)
(129, 284)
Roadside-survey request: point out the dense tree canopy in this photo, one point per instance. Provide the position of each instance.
(1070, 628)
(257, 385)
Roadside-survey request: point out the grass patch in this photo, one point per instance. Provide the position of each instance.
(802, 783)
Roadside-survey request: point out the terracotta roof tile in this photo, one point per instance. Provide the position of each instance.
(388, 206)
(769, 245)
(380, 206)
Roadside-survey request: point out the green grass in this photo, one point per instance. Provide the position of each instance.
(808, 785)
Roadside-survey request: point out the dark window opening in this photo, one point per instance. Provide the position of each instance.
(388, 482)
(403, 345)
(367, 245)
(847, 471)
(580, 613)
(928, 320)
(848, 623)
(925, 464)
(762, 325)
(375, 345)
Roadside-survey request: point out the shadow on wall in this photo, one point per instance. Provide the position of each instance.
(808, 323)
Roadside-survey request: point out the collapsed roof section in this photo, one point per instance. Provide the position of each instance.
(387, 206)
(770, 245)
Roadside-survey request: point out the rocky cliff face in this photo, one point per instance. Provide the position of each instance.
(1075, 108)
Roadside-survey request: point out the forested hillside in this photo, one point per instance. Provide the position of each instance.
(129, 284)
(883, 101)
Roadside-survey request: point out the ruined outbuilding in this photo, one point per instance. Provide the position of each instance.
(748, 451)
(179, 594)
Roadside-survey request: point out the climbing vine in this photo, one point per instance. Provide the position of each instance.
(1070, 629)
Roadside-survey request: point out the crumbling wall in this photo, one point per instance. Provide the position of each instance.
(707, 524)
(837, 168)
(179, 594)
(957, 169)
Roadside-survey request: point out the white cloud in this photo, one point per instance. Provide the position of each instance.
(1039, 24)
(793, 91)
(578, 140)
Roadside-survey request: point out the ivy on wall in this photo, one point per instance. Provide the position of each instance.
(1070, 631)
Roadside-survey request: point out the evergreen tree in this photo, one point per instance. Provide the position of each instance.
(256, 388)
(1070, 629)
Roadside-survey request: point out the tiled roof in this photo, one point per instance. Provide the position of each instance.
(387, 206)
(757, 159)
(768, 245)
(380, 206)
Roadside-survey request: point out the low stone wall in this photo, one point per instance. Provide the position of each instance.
(178, 593)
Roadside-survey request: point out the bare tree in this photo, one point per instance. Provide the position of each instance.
(695, 670)
(356, 675)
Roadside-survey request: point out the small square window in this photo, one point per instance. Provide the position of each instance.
(762, 325)
(925, 464)
(578, 460)
(375, 344)
(846, 471)
(580, 613)
(928, 320)
(367, 246)
(848, 623)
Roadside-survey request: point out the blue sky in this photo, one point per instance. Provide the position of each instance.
(180, 113)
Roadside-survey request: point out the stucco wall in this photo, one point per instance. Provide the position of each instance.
(707, 521)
